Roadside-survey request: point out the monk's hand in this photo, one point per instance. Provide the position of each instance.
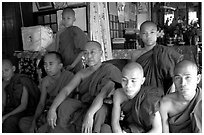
(4, 118)
(52, 118)
(69, 67)
(87, 124)
(32, 129)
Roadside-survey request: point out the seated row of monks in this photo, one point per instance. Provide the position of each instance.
(134, 100)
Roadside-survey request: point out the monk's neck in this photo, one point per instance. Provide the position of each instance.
(56, 76)
(149, 47)
(186, 98)
(95, 67)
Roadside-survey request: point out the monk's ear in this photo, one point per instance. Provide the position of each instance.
(157, 33)
(143, 80)
(61, 65)
(14, 68)
(101, 53)
(198, 78)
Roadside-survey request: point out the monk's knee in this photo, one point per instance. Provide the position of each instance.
(65, 110)
(105, 128)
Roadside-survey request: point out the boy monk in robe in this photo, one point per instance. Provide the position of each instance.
(71, 41)
(51, 85)
(21, 96)
(95, 83)
(139, 104)
(181, 111)
(158, 61)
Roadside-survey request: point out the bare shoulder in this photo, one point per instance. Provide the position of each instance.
(120, 95)
(168, 98)
(167, 101)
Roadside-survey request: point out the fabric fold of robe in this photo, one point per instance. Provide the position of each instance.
(56, 86)
(14, 92)
(190, 120)
(88, 89)
(158, 65)
(140, 110)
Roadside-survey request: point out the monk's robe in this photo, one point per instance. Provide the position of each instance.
(52, 89)
(140, 110)
(55, 86)
(158, 65)
(14, 92)
(71, 112)
(190, 120)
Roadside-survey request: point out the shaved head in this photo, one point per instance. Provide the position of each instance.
(147, 24)
(186, 64)
(8, 69)
(132, 79)
(133, 66)
(94, 43)
(7, 61)
(68, 10)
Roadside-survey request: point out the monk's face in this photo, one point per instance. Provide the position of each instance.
(52, 65)
(7, 70)
(186, 80)
(148, 34)
(68, 19)
(92, 54)
(131, 81)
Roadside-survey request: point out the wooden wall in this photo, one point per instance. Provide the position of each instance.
(12, 21)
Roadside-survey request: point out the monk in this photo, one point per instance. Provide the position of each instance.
(181, 111)
(51, 85)
(139, 104)
(21, 96)
(158, 61)
(94, 83)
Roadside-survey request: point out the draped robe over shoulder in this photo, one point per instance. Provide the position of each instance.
(190, 120)
(72, 111)
(57, 85)
(14, 92)
(158, 65)
(140, 110)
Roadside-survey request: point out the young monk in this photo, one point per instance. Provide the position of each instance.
(94, 84)
(71, 41)
(158, 61)
(139, 104)
(51, 85)
(181, 111)
(21, 96)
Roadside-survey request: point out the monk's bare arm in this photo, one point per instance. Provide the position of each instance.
(41, 103)
(66, 91)
(116, 111)
(95, 106)
(98, 101)
(164, 106)
(156, 124)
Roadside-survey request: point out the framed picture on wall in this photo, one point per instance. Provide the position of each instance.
(44, 5)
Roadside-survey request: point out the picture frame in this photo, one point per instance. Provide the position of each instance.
(44, 5)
